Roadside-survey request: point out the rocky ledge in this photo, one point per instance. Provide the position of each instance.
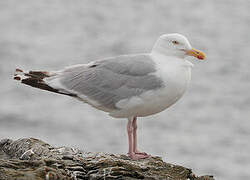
(30, 158)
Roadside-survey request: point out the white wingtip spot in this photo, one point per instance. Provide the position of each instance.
(19, 74)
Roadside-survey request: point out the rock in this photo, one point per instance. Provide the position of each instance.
(30, 158)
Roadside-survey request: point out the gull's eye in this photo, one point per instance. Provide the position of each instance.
(175, 42)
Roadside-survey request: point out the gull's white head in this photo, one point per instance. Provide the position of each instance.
(176, 45)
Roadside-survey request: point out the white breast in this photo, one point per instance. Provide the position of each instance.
(175, 74)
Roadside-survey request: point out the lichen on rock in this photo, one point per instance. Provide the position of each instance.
(31, 158)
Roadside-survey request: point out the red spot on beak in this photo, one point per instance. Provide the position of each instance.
(200, 57)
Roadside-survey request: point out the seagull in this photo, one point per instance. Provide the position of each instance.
(125, 86)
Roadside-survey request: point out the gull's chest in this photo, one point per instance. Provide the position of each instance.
(176, 78)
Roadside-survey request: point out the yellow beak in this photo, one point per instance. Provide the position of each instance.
(196, 53)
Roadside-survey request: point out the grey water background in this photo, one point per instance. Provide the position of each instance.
(207, 130)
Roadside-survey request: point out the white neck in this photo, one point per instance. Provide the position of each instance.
(166, 59)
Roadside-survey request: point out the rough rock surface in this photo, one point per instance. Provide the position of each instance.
(29, 158)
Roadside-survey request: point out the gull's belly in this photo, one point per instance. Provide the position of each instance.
(155, 101)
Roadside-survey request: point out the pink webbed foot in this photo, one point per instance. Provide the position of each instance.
(135, 156)
(141, 153)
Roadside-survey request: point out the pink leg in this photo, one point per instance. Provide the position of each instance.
(135, 149)
(130, 136)
(132, 141)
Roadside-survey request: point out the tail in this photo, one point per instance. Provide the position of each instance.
(36, 79)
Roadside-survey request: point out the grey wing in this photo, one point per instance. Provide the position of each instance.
(111, 80)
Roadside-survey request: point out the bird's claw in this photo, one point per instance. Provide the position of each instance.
(141, 153)
(137, 156)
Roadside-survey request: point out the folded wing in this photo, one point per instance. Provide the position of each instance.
(104, 83)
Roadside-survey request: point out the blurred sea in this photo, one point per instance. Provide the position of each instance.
(207, 130)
